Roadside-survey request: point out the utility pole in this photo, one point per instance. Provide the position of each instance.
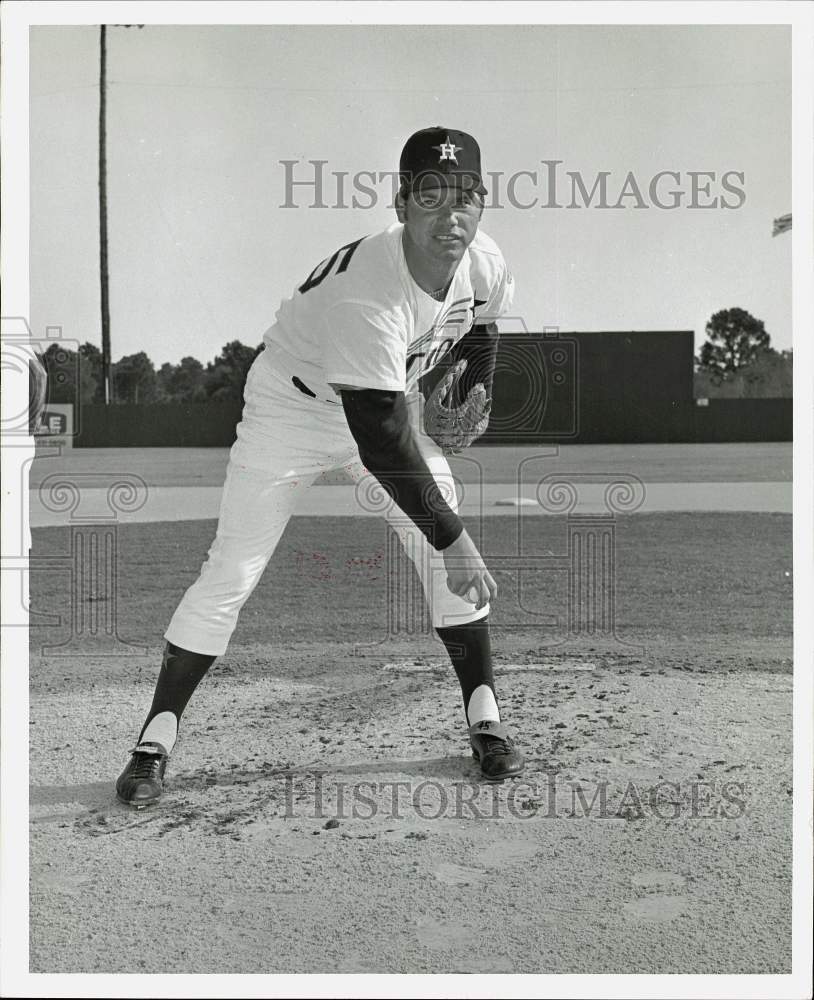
(107, 374)
(103, 273)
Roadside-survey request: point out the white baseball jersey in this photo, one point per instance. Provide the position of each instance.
(360, 319)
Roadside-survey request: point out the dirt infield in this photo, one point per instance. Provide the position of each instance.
(323, 813)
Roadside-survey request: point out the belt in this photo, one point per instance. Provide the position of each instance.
(299, 384)
(303, 387)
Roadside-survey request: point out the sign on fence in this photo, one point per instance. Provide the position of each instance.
(55, 425)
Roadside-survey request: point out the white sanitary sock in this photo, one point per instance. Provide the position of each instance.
(162, 729)
(482, 706)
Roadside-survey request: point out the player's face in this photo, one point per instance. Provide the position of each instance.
(442, 221)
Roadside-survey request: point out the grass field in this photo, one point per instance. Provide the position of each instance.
(686, 584)
(681, 719)
(653, 463)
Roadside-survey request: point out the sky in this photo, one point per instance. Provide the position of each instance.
(200, 119)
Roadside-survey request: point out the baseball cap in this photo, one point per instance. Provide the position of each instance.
(436, 155)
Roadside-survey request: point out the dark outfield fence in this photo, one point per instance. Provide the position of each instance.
(559, 388)
(158, 425)
(617, 388)
(744, 420)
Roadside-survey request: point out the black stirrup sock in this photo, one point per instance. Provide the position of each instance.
(471, 654)
(181, 672)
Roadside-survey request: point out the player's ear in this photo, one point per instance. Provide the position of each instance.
(401, 205)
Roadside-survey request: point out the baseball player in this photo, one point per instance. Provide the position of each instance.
(337, 387)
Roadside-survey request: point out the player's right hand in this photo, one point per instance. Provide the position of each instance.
(467, 575)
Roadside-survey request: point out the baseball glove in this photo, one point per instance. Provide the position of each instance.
(456, 427)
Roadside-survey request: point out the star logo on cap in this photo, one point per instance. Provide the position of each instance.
(447, 150)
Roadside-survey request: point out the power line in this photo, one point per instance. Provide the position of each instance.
(413, 90)
(447, 90)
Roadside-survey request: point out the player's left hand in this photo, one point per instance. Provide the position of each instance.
(456, 427)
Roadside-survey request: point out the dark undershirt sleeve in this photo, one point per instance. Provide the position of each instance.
(379, 423)
(479, 348)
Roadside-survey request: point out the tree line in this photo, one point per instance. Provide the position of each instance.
(737, 360)
(77, 376)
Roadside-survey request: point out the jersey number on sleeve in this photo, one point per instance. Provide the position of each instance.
(324, 268)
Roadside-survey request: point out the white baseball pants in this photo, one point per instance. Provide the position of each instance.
(284, 442)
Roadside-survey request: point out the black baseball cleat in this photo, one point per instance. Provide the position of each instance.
(493, 749)
(142, 781)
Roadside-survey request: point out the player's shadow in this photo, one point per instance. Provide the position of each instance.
(442, 768)
(423, 767)
(90, 794)
(96, 794)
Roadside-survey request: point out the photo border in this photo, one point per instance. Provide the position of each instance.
(16, 980)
